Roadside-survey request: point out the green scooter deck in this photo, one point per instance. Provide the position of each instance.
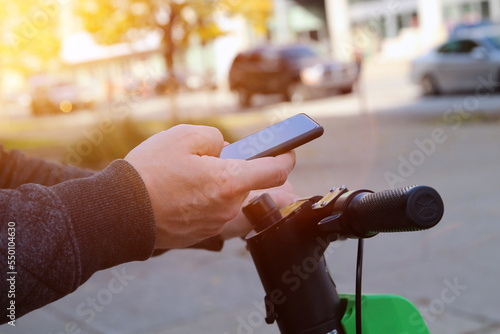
(383, 314)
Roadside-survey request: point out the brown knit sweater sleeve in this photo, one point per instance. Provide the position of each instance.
(61, 224)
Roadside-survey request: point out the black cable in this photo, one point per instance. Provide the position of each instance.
(359, 273)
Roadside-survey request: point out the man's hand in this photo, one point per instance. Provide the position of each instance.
(192, 191)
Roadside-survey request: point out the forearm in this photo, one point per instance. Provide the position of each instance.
(17, 169)
(65, 233)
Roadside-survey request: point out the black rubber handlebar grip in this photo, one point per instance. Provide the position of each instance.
(410, 208)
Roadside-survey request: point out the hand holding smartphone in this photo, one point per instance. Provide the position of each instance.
(274, 140)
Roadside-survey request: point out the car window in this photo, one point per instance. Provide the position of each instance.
(271, 60)
(494, 41)
(298, 53)
(463, 46)
(467, 46)
(270, 56)
(449, 47)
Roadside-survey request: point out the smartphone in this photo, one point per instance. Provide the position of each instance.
(274, 140)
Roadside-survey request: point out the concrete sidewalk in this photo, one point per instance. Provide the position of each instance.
(193, 291)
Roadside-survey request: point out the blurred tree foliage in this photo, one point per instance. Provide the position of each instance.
(113, 21)
(29, 40)
(128, 134)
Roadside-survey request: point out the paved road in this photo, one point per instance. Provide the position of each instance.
(195, 291)
(385, 88)
(449, 272)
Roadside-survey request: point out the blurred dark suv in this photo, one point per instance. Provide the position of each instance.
(296, 72)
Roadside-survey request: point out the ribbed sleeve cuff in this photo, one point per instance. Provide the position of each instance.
(111, 216)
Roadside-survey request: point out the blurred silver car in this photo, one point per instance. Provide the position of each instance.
(469, 61)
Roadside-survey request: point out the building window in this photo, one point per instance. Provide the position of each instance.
(485, 9)
(400, 22)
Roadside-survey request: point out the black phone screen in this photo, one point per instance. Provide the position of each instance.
(274, 140)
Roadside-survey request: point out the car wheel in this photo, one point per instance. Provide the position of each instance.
(346, 90)
(54, 110)
(38, 109)
(296, 92)
(244, 97)
(35, 111)
(429, 85)
(497, 83)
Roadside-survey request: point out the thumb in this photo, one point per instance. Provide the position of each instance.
(263, 173)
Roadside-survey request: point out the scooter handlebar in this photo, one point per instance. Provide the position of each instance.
(404, 209)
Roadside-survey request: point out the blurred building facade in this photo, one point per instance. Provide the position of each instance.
(376, 28)
(402, 28)
(387, 28)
